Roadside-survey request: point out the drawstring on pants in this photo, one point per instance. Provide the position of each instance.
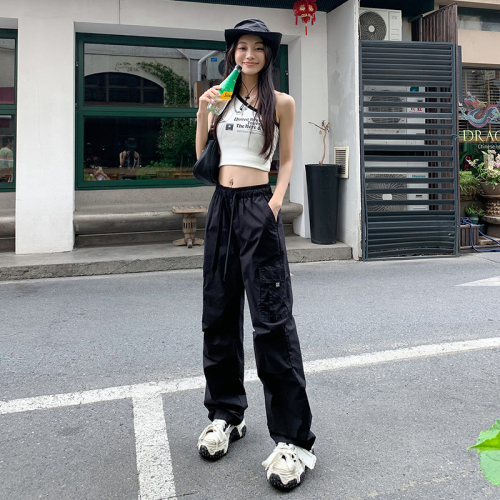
(229, 237)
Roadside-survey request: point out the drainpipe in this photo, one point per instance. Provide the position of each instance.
(204, 58)
(189, 74)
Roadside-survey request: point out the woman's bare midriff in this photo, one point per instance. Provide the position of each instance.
(242, 176)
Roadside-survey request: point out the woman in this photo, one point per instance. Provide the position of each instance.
(245, 252)
(130, 158)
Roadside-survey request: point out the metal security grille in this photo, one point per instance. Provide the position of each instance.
(408, 149)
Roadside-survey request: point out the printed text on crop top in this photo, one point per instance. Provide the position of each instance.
(237, 145)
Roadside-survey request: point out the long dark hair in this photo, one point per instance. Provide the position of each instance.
(267, 98)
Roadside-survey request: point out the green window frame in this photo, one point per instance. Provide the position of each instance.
(86, 110)
(10, 109)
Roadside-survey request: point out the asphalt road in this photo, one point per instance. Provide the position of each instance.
(386, 428)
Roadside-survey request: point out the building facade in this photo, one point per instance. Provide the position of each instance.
(98, 102)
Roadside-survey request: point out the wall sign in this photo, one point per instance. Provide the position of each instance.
(479, 113)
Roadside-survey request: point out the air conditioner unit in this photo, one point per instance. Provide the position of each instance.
(215, 66)
(382, 121)
(419, 114)
(399, 106)
(394, 178)
(394, 181)
(397, 181)
(380, 24)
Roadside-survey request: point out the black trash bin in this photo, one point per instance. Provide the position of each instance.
(323, 197)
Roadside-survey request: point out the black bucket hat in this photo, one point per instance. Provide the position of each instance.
(131, 143)
(254, 27)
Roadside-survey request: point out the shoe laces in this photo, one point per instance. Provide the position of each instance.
(288, 452)
(217, 427)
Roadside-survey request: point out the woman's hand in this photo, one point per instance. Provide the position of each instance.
(204, 117)
(275, 206)
(208, 97)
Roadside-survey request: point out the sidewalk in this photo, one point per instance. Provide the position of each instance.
(141, 258)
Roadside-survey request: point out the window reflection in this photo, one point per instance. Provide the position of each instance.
(142, 75)
(479, 122)
(110, 88)
(7, 141)
(152, 76)
(139, 148)
(7, 65)
(478, 19)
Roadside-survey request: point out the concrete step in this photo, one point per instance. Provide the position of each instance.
(142, 258)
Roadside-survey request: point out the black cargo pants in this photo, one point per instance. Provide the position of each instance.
(245, 252)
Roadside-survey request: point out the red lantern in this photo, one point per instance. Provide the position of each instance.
(306, 10)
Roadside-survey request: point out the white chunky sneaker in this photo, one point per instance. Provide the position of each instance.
(214, 440)
(287, 464)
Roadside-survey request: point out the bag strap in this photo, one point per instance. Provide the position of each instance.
(211, 134)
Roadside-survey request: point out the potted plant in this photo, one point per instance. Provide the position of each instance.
(474, 212)
(469, 185)
(323, 196)
(488, 171)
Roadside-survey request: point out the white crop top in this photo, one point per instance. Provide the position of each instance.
(237, 145)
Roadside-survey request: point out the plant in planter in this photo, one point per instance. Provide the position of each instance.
(469, 185)
(323, 130)
(488, 171)
(474, 212)
(323, 195)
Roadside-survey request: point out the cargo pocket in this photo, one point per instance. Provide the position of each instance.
(273, 299)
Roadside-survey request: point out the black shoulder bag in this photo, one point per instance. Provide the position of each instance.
(206, 169)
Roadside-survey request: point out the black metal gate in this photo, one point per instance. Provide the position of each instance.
(408, 149)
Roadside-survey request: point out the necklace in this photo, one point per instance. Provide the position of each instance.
(248, 91)
(243, 104)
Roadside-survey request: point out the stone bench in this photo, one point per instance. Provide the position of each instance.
(104, 218)
(7, 223)
(108, 225)
(7, 230)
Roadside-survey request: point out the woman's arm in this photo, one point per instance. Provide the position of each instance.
(204, 118)
(285, 110)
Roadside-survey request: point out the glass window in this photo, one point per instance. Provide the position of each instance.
(136, 108)
(7, 73)
(478, 19)
(7, 141)
(7, 109)
(132, 149)
(142, 75)
(113, 88)
(480, 113)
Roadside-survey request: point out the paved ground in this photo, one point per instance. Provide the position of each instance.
(123, 353)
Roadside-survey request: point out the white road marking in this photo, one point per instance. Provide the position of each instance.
(154, 463)
(487, 282)
(421, 351)
(187, 384)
